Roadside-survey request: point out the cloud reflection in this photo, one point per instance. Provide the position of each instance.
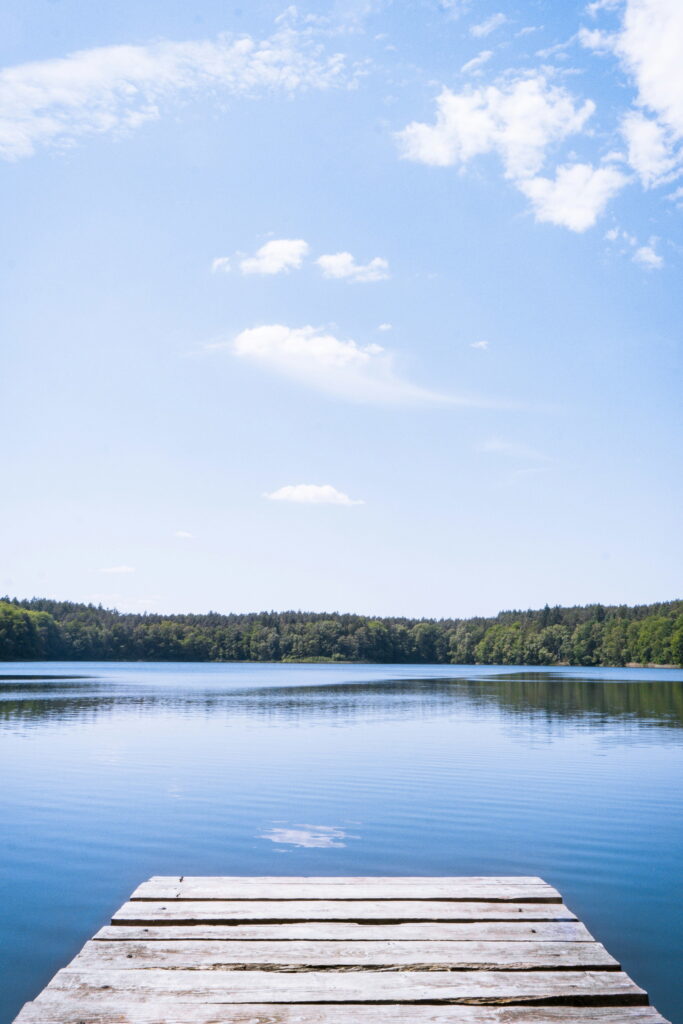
(319, 836)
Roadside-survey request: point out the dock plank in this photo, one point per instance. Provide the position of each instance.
(379, 911)
(342, 951)
(478, 889)
(411, 931)
(300, 955)
(59, 1008)
(502, 987)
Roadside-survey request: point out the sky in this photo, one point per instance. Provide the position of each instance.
(349, 306)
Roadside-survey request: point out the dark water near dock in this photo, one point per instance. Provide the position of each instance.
(111, 773)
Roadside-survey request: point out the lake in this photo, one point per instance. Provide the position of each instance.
(115, 772)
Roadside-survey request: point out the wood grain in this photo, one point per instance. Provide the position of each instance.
(61, 1008)
(300, 955)
(410, 931)
(526, 890)
(597, 987)
(379, 911)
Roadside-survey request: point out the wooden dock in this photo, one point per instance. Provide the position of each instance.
(342, 951)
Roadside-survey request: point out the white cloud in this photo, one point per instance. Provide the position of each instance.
(477, 62)
(650, 44)
(577, 195)
(649, 148)
(518, 120)
(483, 345)
(360, 373)
(385, 327)
(313, 836)
(281, 254)
(312, 494)
(597, 40)
(118, 88)
(183, 535)
(343, 265)
(647, 256)
(221, 265)
(119, 569)
(485, 28)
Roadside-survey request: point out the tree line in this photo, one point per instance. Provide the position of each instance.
(44, 630)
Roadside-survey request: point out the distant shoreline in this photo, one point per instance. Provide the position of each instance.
(614, 636)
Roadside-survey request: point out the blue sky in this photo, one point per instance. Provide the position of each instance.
(359, 306)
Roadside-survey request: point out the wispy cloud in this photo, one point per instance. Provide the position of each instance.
(312, 494)
(483, 345)
(512, 449)
(114, 89)
(485, 28)
(596, 6)
(275, 257)
(221, 265)
(183, 535)
(595, 39)
(343, 265)
(477, 62)
(359, 373)
(118, 569)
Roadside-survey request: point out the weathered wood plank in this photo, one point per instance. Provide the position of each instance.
(412, 931)
(300, 955)
(495, 889)
(60, 1008)
(493, 987)
(380, 911)
(342, 951)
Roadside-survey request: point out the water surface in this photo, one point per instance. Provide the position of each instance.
(114, 772)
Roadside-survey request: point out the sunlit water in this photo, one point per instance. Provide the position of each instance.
(111, 773)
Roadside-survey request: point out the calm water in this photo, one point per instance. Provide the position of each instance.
(111, 773)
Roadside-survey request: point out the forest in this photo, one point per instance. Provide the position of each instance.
(46, 630)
